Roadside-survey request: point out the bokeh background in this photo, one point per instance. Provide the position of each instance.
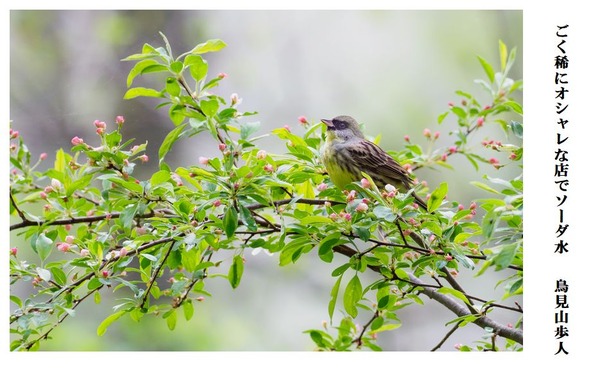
(394, 71)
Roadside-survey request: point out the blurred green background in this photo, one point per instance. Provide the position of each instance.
(394, 71)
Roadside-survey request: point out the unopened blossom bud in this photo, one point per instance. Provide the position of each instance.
(43, 195)
(63, 246)
(473, 205)
(494, 161)
(119, 120)
(105, 273)
(56, 184)
(13, 251)
(452, 149)
(362, 207)
(222, 147)
(322, 187)
(444, 157)
(235, 99)
(261, 155)
(99, 124)
(69, 239)
(268, 168)
(302, 120)
(448, 257)
(480, 121)
(450, 104)
(351, 196)
(427, 133)
(512, 156)
(100, 130)
(460, 207)
(14, 134)
(144, 158)
(222, 75)
(84, 253)
(348, 217)
(406, 138)
(364, 183)
(333, 216)
(48, 189)
(43, 156)
(327, 204)
(436, 135)
(203, 160)
(123, 252)
(76, 141)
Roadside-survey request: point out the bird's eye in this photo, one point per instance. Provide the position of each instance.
(340, 125)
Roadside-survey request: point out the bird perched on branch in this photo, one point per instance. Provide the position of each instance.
(347, 153)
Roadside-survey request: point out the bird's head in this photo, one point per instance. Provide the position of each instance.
(342, 127)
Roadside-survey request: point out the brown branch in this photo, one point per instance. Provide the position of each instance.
(443, 340)
(155, 274)
(358, 340)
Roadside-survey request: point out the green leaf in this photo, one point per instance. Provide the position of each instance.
(248, 129)
(230, 221)
(108, 321)
(326, 246)
(489, 71)
(352, 296)
(176, 67)
(315, 219)
(43, 246)
(485, 187)
(385, 213)
(59, 276)
(188, 309)
(172, 86)
(209, 107)
(44, 274)
(208, 46)
(247, 218)
(171, 317)
(197, 66)
(144, 66)
(170, 139)
(437, 197)
(516, 107)
(235, 271)
(456, 293)
(503, 54)
(506, 255)
(140, 91)
(334, 295)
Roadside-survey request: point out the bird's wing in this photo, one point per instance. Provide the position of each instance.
(377, 163)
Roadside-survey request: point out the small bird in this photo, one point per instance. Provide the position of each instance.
(347, 153)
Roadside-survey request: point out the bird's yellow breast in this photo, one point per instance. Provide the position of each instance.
(339, 176)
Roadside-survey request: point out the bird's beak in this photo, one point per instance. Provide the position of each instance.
(328, 123)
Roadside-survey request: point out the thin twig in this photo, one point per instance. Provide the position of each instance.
(442, 341)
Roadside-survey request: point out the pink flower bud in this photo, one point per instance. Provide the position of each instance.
(99, 124)
(364, 183)
(43, 195)
(461, 207)
(452, 149)
(450, 104)
(287, 127)
(99, 130)
(322, 187)
(84, 253)
(57, 185)
(487, 107)
(261, 155)
(268, 168)
(362, 207)
(235, 99)
(104, 273)
(512, 156)
(480, 121)
(494, 161)
(351, 196)
(222, 75)
(406, 138)
(473, 206)
(436, 135)
(76, 141)
(302, 120)
(14, 134)
(123, 252)
(68, 227)
(203, 160)
(448, 257)
(69, 239)
(144, 158)
(13, 251)
(63, 246)
(119, 120)
(427, 133)
(200, 299)
(457, 346)
(327, 204)
(333, 216)
(48, 189)
(217, 203)
(444, 157)
(43, 156)
(348, 217)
